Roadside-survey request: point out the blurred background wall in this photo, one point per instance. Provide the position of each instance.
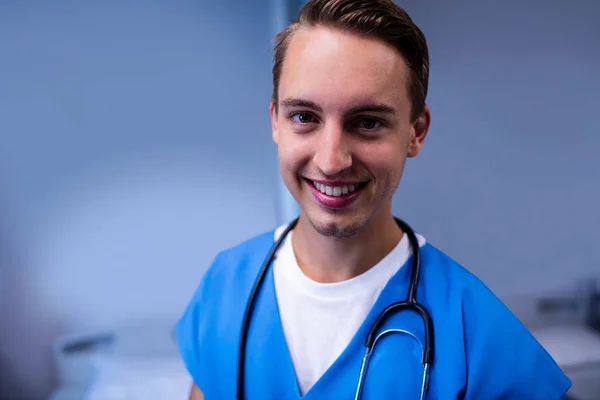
(136, 144)
(508, 182)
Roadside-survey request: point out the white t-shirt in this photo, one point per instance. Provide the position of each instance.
(320, 319)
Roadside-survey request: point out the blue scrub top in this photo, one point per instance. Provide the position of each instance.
(482, 351)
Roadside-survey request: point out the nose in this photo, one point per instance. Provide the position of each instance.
(333, 154)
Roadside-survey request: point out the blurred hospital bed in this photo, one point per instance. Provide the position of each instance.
(133, 362)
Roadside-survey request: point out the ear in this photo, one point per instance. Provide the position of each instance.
(419, 131)
(274, 131)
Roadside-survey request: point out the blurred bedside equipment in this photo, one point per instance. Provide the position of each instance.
(130, 362)
(572, 336)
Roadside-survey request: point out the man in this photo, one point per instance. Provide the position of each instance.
(348, 108)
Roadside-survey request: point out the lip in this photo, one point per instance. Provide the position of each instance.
(335, 183)
(334, 202)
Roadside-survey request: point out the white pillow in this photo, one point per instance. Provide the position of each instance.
(139, 378)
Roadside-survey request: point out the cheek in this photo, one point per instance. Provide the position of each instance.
(293, 152)
(386, 161)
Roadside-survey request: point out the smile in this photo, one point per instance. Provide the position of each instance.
(336, 190)
(336, 194)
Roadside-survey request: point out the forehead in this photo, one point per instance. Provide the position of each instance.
(334, 68)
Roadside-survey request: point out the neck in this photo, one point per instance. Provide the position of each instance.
(334, 259)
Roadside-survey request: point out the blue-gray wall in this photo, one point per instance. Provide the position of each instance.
(136, 143)
(508, 182)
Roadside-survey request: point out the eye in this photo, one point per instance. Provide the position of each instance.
(303, 117)
(368, 123)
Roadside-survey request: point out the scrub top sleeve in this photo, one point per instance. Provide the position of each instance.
(504, 361)
(188, 330)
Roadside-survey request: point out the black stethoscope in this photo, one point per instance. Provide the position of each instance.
(409, 304)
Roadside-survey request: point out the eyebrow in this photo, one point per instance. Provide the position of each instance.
(366, 107)
(290, 103)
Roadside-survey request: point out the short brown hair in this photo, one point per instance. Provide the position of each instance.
(381, 19)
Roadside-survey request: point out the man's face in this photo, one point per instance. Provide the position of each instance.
(343, 127)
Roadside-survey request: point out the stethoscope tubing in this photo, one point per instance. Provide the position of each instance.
(409, 304)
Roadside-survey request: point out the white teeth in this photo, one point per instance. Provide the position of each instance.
(335, 190)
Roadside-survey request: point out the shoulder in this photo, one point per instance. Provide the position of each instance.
(225, 286)
(239, 261)
(455, 281)
(231, 275)
(502, 358)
